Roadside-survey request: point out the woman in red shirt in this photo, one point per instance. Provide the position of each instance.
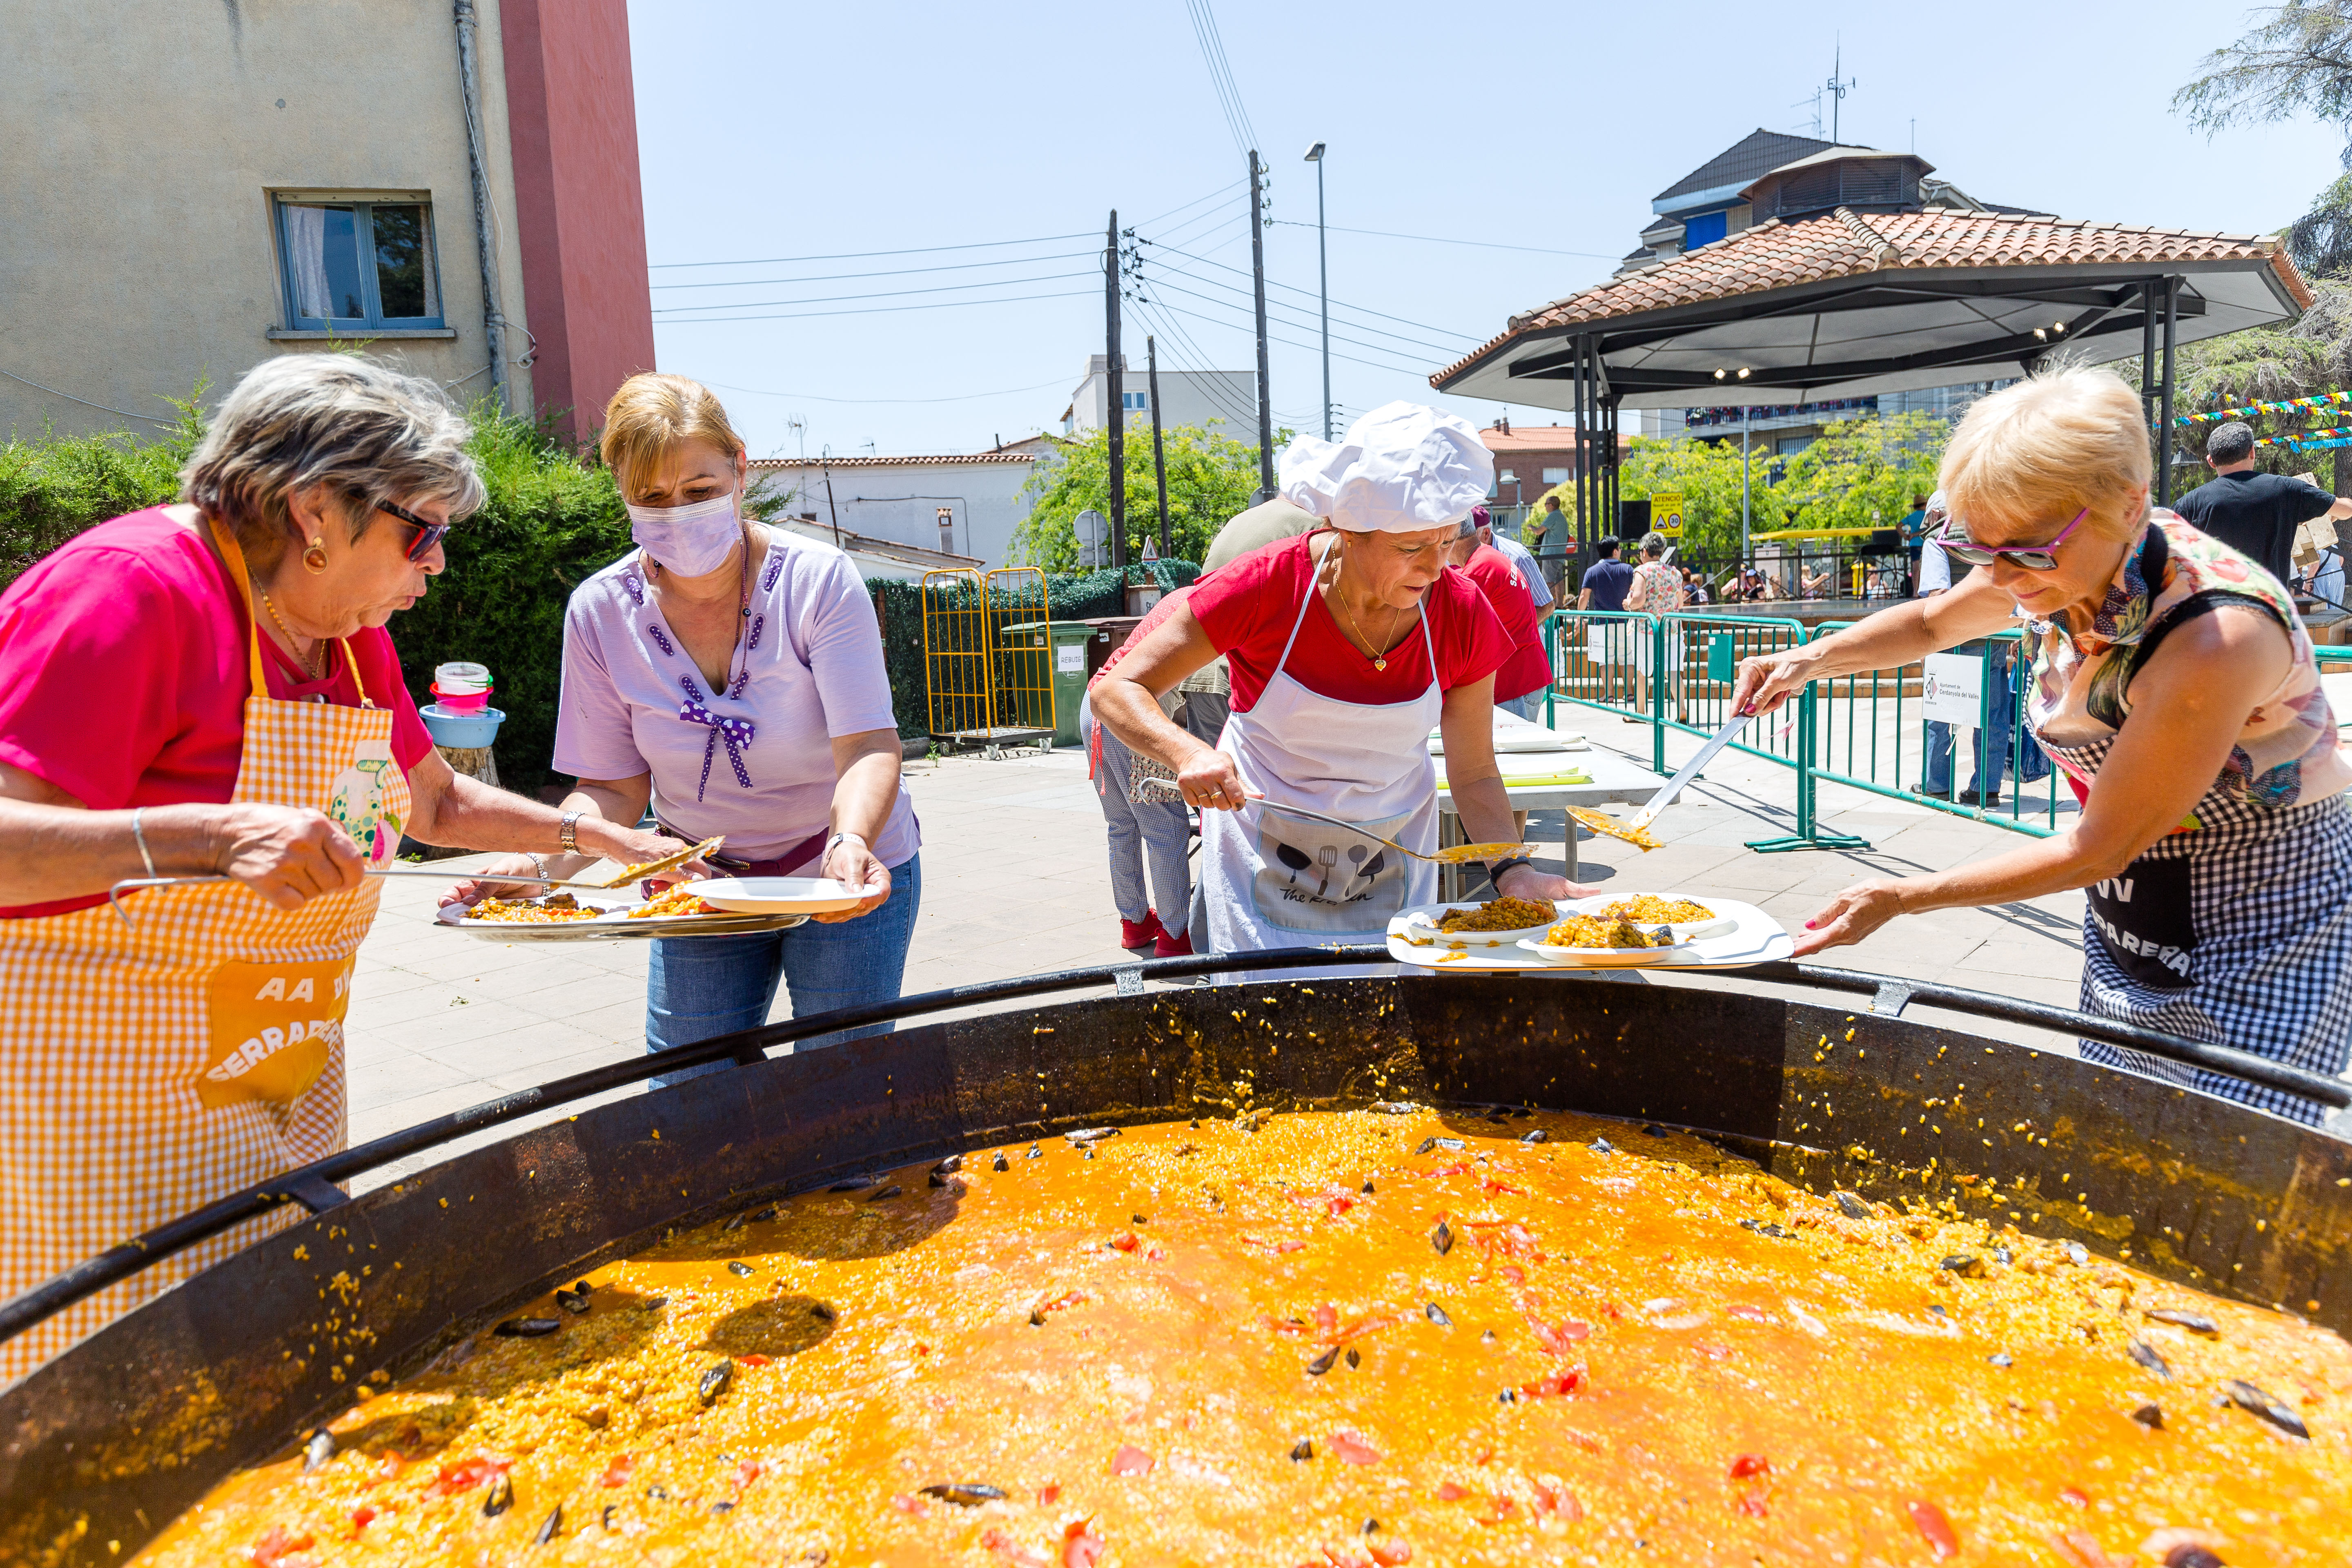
(1346, 647)
(1527, 671)
(207, 689)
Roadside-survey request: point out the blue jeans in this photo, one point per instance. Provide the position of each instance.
(699, 988)
(1164, 829)
(1529, 707)
(1989, 752)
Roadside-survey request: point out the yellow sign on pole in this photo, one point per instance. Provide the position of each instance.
(1666, 513)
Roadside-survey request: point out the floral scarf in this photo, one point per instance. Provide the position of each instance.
(2287, 754)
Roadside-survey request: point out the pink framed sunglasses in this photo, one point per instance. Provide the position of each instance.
(2032, 557)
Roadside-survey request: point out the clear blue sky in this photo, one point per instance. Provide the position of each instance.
(808, 131)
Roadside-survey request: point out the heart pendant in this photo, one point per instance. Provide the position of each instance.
(1380, 664)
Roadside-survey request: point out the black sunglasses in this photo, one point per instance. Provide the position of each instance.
(428, 534)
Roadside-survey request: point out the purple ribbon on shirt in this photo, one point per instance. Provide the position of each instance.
(736, 733)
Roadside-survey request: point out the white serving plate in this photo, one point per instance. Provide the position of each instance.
(1749, 936)
(1474, 940)
(780, 895)
(612, 924)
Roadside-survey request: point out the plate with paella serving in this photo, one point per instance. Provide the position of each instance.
(676, 910)
(1607, 931)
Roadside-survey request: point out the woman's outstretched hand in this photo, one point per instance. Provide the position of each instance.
(1850, 916)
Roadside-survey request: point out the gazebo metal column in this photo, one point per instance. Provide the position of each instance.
(2160, 306)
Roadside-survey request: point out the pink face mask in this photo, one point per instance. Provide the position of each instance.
(691, 541)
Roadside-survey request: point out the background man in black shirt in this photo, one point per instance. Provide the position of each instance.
(2250, 512)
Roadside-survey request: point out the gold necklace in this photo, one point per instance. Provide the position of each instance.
(1378, 657)
(317, 671)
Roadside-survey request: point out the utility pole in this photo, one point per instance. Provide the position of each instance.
(1265, 384)
(1159, 448)
(1117, 398)
(1323, 271)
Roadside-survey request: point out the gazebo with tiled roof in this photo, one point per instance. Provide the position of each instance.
(1847, 304)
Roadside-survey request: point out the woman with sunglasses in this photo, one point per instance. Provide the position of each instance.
(207, 689)
(2174, 686)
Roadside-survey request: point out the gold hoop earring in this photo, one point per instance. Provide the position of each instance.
(315, 558)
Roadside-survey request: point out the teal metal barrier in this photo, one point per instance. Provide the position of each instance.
(1865, 730)
(1871, 726)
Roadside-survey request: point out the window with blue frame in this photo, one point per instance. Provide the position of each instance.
(358, 264)
(1704, 229)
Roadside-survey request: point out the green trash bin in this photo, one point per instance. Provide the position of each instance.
(1067, 640)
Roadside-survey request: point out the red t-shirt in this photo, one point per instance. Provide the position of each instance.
(1143, 629)
(1247, 606)
(1529, 668)
(124, 674)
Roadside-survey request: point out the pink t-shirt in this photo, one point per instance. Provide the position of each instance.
(808, 667)
(123, 675)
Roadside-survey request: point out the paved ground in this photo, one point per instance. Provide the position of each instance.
(1014, 883)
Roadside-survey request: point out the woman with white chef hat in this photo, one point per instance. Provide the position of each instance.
(1346, 647)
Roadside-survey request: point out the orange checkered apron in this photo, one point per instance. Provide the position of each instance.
(157, 1063)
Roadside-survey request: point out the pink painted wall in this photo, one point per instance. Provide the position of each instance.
(571, 112)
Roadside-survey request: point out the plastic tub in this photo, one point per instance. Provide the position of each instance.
(450, 727)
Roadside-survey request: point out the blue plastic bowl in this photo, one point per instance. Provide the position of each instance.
(450, 728)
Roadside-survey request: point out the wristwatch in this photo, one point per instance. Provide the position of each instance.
(567, 832)
(1495, 872)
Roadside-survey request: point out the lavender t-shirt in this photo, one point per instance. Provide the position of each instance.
(752, 762)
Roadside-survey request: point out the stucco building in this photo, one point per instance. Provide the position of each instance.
(194, 188)
(1191, 398)
(958, 504)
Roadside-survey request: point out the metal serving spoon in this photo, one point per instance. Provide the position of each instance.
(1452, 855)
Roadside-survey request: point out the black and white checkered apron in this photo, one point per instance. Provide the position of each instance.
(2238, 931)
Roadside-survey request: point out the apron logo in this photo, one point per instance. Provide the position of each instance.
(271, 1041)
(2116, 888)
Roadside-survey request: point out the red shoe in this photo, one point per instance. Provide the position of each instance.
(1177, 946)
(1134, 934)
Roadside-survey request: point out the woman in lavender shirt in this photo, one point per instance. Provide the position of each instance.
(733, 674)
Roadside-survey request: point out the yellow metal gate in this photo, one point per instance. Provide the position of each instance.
(987, 686)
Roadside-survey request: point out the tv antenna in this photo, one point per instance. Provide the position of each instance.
(1837, 90)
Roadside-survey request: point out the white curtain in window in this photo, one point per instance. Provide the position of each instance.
(306, 257)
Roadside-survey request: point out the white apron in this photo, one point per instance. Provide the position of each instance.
(1271, 879)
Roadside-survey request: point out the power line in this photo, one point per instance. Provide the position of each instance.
(1310, 294)
(1440, 240)
(885, 272)
(84, 402)
(884, 294)
(1221, 75)
(1211, 196)
(1303, 326)
(862, 255)
(1200, 362)
(812, 397)
(882, 310)
(1217, 321)
(1282, 305)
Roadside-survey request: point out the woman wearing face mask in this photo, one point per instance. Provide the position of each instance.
(2175, 687)
(734, 673)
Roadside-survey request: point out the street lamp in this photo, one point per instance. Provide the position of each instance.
(1323, 266)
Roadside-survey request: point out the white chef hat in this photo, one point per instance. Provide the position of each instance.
(1402, 468)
